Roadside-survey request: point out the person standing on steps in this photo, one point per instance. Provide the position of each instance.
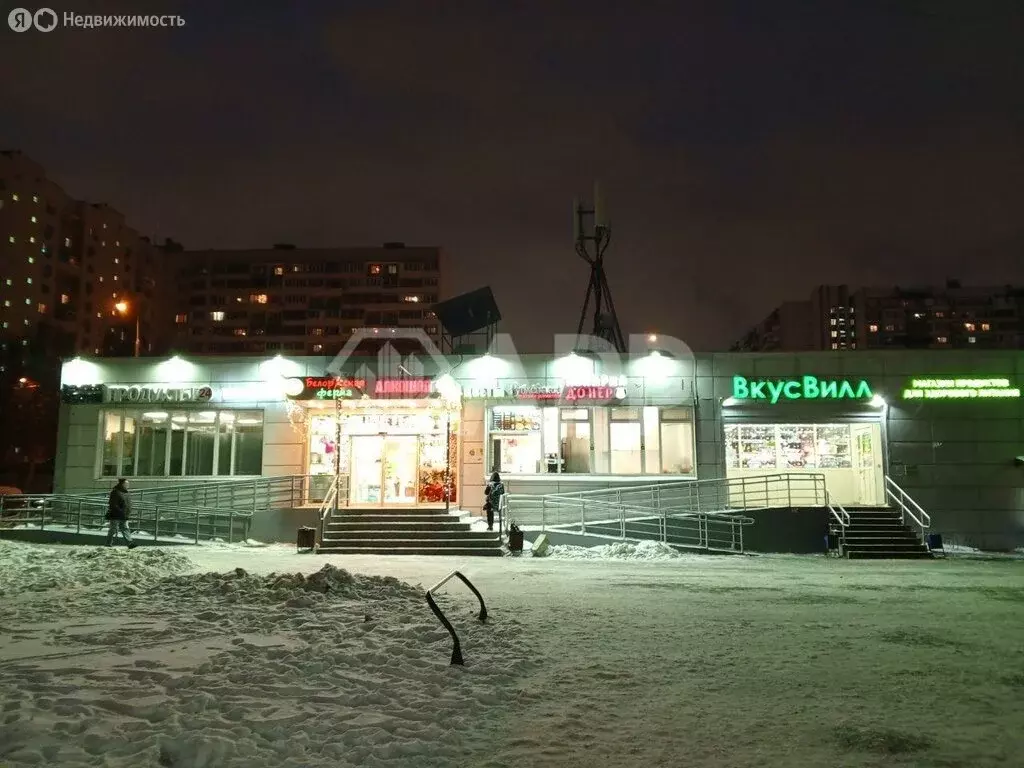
(495, 490)
(118, 509)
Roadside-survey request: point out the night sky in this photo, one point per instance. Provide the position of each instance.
(749, 150)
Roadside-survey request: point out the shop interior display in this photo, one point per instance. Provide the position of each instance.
(515, 420)
(788, 446)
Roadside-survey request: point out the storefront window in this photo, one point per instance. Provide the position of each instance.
(626, 442)
(111, 461)
(553, 461)
(433, 469)
(788, 446)
(652, 441)
(575, 435)
(617, 441)
(383, 456)
(848, 456)
(192, 443)
(602, 442)
(676, 441)
(200, 437)
(516, 444)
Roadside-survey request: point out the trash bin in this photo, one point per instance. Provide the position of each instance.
(306, 539)
(515, 538)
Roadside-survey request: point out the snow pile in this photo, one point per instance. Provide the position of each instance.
(143, 663)
(293, 589)
(36, 568)
(960, 549)
(620, 550)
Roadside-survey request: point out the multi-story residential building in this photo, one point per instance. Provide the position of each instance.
(66, 266)
(840, 318)
(301, 300)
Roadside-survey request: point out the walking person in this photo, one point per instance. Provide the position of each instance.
(118, 509)
(493, 494)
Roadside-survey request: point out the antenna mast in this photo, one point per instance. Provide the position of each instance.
(592, 233)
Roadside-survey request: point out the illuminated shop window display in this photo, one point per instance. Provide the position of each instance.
(384, 456)
(849, 456)
(633, 440)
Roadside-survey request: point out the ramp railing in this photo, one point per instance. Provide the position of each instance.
(717, 531)
(248, 493)
(82, 514)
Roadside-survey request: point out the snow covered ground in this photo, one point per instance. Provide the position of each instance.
(631, 656)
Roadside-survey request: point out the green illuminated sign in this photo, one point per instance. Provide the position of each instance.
(806, 388)
(959, 389)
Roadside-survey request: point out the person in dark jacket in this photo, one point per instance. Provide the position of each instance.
(118, 509)
(495, 490)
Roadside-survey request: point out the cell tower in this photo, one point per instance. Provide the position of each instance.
(592, 234)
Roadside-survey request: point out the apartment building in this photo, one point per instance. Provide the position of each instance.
(840, 318)
(66, 266)
(302, 300)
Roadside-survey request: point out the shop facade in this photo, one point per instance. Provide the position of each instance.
(948, 427)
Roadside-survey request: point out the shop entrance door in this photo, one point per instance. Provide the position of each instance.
(383, 470)
(367, 468)
(400, 465)
(866, 463)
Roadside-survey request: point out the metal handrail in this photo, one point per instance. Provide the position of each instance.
(250, 493)
(457, 646)
(790, 478)
(199, 522)
(622, 514)
(908, 506)
(837, 510)
(327, 506)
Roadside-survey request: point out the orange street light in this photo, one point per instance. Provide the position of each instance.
(121, 306)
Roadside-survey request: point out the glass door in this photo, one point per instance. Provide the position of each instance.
(400, 469)
(867, 462)
(367, 469)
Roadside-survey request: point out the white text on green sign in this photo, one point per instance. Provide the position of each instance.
(959, 389)
(806, 388)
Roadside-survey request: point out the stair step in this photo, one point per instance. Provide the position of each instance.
(402, 533)
(388, 517)
(889, 555)
(453, 527)
(893, 545)
(421, 550)
(404, 544)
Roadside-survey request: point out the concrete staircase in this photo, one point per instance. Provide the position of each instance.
(878, 533)
(417, 531)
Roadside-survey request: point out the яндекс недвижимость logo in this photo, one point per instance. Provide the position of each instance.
(22, 20)
(46, 20)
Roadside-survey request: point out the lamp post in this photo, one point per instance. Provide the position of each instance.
(122, 308)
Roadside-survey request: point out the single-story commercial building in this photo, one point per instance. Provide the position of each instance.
(945, 426)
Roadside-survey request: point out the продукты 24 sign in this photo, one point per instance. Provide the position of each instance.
(804, 388)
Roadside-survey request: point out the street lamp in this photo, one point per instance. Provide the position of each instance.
(122, 308)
